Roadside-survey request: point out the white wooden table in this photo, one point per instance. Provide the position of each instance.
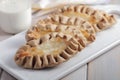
(105, 67)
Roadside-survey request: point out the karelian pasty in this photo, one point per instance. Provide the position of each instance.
(41, 29)
(47, 51)
(83, 26)
(99, 19)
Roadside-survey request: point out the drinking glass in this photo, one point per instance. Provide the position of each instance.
(15, 15)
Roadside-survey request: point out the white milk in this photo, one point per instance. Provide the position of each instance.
(15, 15)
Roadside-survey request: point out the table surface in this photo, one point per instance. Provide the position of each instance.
(3, 74)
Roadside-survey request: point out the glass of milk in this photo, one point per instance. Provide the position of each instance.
(15, 15)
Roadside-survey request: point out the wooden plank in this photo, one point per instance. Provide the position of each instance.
(106, 67)
(115, 2)
(0, 73)
(6, 76)
(79, 74)
(0, 70)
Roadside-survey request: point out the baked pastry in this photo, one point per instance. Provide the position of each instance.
(84, 26)
(41, 29)
(99, 19)
(47, 51)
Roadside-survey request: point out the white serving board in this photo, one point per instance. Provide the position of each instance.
(105, 40)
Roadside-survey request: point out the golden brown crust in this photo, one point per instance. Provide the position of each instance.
(26, 59)
(99, 19)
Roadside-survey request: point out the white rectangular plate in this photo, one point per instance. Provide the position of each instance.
(105, 40)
